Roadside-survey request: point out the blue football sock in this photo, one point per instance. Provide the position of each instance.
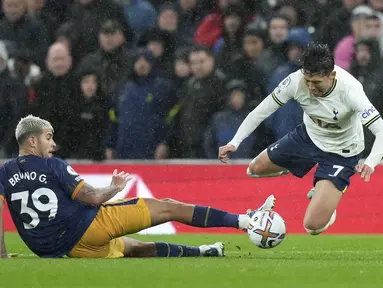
(210, 217)
(173, 250)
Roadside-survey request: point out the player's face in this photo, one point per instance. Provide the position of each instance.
(46, 146)
(319, 84)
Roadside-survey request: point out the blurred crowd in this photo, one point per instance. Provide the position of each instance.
(153, 79)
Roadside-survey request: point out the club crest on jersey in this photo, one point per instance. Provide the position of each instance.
(71, 171)
(368, 112)
(335, 114)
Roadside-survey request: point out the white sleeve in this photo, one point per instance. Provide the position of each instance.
(371, 119)
(376, 153)
(268, 106)
(368, 114)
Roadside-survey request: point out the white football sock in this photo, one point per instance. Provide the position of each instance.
(319, 231)
(243, 221)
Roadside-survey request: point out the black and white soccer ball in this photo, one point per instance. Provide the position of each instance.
(267, 229)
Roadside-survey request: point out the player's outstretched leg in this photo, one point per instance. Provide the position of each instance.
(135, 248)
(321, 213)
(165, 210)
(262, 167)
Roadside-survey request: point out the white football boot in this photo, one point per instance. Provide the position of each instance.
(268, 205)
(213, 250)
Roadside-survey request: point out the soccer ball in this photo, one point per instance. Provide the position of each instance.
(267, 229)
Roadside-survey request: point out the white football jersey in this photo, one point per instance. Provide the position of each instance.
(334, 121)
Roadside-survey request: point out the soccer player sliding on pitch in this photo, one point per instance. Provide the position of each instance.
(331, 135)
(57, 213)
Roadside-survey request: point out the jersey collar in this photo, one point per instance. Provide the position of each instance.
(329, 91)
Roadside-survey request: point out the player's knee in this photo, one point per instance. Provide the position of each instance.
(313, 227)
(256, 167)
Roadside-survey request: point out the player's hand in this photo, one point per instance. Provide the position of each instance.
(120, 179)
(365, 171)
(224, 151)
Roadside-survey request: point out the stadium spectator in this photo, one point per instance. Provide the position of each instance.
(143, 103)
(37, 9)
(289, 9)
(274, 55)
(204, 95)
(181, 74)
(377, 5)
(89, 15)
(344, 50)
(290, 115)
(339, 18)
(161, 44)
(13, 104)
(366, 62)
(103, 35)
(245, 65)
(168, 22)
(190, 16)
(140, 14)
(68, 34)
(23, 31)
(210, 29)
(91, 116)
(21, 67)
(230, 45)
(225, 123)
(56, 96)
(112, 58)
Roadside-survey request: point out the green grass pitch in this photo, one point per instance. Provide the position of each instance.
(300, 261)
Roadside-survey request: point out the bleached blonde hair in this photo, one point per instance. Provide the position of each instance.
(30, 126)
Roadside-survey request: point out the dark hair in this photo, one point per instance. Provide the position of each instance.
(279, 16)
(317, 59)
(200, 48)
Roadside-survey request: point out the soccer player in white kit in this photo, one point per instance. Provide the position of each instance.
(331, 135)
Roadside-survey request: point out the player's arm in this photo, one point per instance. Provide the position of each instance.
(3, 251)
(267, 107)
(376, 153)
(281, 94)
(76, 188)
(96, 196)
(370, 118)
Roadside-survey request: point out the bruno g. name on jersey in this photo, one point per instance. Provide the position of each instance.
(30, 176)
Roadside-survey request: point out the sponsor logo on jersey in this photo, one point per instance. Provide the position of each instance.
(326, 125)
(368, 112)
